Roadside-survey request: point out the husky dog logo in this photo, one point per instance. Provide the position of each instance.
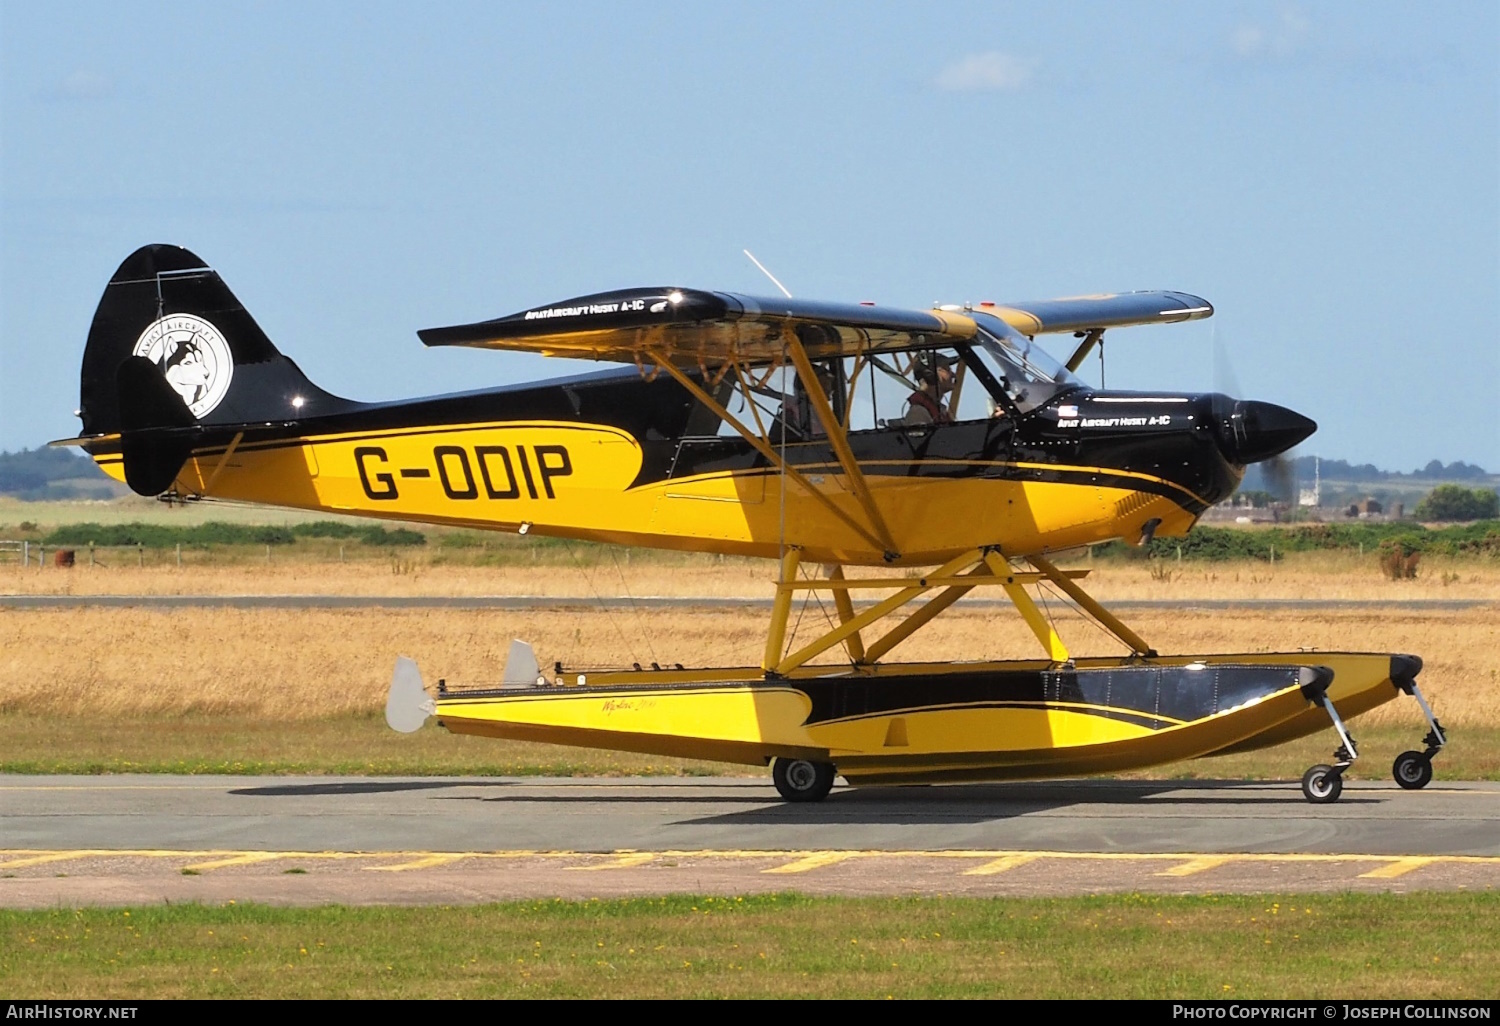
(193, 356)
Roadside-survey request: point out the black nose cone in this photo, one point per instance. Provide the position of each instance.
(1251, 431)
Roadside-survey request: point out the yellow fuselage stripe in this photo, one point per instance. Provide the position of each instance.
(577, 481)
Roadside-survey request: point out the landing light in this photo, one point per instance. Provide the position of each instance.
(674, 298)
(297, 401)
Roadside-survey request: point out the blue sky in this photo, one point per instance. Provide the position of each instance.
(1327, 175)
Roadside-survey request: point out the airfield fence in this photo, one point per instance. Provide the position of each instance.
(29, 553)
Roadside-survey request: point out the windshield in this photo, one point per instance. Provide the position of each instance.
(1028, 373)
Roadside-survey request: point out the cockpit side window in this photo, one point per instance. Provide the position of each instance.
(1000, 372)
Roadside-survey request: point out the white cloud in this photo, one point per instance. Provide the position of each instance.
(1287, 36)
(81, 85)
(987, 72)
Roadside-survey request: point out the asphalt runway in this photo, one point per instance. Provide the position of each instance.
(71, 840)
(647, 602)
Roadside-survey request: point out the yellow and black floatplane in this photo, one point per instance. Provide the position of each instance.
(892, 460)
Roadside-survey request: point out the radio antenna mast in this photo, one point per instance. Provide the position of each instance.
(767, 273)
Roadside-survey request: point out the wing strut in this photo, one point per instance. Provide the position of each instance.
(764, 449)
(840, 442)
(1090, 340)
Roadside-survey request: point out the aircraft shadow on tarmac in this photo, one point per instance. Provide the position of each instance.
(978, 803)
(969, 803)
(362, 787)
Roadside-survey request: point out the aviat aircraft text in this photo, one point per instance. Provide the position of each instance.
(627, 306)
(1110, 422)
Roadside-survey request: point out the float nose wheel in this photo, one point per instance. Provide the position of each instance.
(1323, 783)
(1413, 770)
(802, 780)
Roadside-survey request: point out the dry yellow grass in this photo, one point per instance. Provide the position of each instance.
(301, 664)
(593, 571)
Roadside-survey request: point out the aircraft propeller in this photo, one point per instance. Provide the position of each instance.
(1258, 432)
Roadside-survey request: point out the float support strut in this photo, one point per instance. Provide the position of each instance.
(1056, 650)
(1110, 622)
(781, 608)
(845, 606)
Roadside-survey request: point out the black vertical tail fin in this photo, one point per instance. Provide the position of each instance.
(171, 355)
(166, 306)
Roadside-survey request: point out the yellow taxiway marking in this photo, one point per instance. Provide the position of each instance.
(1198, 865)
(624, 860)
(425, 862)
(249, 858)
(1400, 867)
(1003, 864)
(52, 856)
(814, 860)
(990, 862)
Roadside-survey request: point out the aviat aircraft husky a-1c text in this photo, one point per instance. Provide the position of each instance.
(754, 426)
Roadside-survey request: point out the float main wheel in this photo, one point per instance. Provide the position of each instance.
(1412, 770)
(802, 780)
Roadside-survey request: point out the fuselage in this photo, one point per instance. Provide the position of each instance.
(615, 457)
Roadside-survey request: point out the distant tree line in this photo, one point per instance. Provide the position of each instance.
(47, 473)
(1455, 502)
(1342, 470)
(1215, 544)
(164, 536)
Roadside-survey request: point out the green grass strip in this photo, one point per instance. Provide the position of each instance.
(1128, 946)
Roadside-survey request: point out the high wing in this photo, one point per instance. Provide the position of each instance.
(1087, 313)
(691, 326)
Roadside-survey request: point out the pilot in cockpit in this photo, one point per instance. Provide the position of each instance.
(927, 404)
